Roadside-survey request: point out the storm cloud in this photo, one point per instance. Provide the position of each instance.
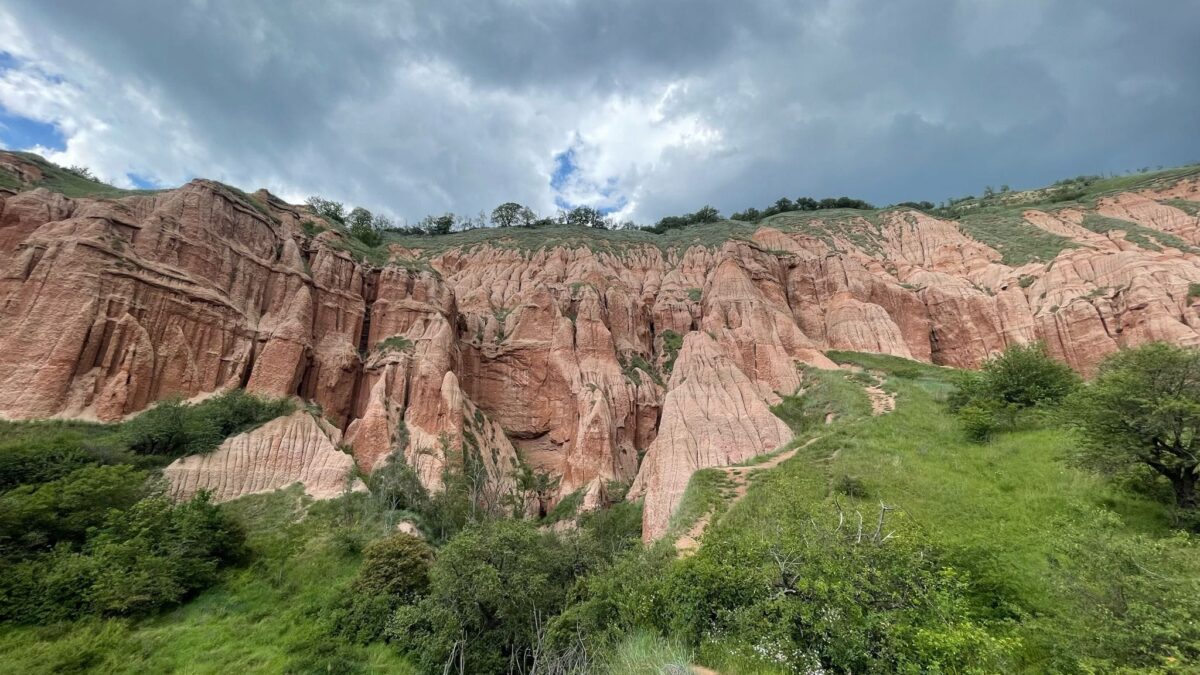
(641, 108)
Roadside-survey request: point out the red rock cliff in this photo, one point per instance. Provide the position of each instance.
(575, 360)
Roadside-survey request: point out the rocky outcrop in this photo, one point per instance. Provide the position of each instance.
(713, 416)
(558, 354)
(298, 448)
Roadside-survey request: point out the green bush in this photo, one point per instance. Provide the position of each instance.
(37, 518)
(823, 595)
(395, 571)
(143, 557)
(491, 589)
(40, 452)
(1010, 391)
(173, 428)
(396, 566)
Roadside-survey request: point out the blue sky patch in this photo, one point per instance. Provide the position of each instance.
(21, 133)
(142, 183)
(564, 168)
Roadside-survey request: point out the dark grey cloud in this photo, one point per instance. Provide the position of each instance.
(416, 107)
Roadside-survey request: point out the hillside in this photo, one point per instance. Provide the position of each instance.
(611, 383)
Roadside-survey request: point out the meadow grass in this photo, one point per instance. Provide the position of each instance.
(999, 510)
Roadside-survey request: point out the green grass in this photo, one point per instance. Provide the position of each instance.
(1189, 207)
(265, 617)
(1016, 240)
(644, 653)
(822, 393)
(1001, 510)
(1147, 238)
(707, 491)
(59, 179)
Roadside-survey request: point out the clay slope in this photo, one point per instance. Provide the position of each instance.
(499, 351)
(297, 448)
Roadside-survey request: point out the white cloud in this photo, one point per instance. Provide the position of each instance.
(411, 108)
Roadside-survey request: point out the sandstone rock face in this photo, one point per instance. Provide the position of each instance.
(712, 416)
(502, 356)
(297, 448)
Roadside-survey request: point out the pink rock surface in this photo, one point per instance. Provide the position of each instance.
(297, 448)
(555, 357)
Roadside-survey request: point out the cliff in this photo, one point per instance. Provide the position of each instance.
(573, 351)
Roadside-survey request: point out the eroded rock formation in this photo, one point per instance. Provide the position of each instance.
(297, 448)
(564, 358)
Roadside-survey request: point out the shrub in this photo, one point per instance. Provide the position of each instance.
(672, 343)
(821, 597)
(1021, 379)
(490, 589)
(395, 571)
(36, 518)
(173, 428)
(396, 566)
(143, 557)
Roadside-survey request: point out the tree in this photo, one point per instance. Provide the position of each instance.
(327, 208)
(706, 214)
(1020, 379)
(508, 214)
(586, 216)
(442, 224)
(365, 227)
(1144, 409)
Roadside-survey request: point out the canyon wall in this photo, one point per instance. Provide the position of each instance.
(631, 362)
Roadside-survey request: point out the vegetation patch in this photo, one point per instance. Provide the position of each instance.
(672, 343)
(395, 343)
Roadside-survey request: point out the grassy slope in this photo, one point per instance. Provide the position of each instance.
(266, 617)
(1001, 509)
(58, 179)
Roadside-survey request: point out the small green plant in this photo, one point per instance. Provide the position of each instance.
(1026, 280)
(694, 294)
(395, 343)
(672, 343)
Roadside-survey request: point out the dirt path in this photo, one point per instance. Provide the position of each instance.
(882, 402)
(739, 476)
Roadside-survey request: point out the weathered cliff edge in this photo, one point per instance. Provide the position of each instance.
(625, 362)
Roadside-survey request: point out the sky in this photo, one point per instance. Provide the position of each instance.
(639, 108)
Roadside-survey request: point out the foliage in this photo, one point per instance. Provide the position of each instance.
(397, 343)
(785, 205)
(512, 214)
(143, 556)
(328, 209)
(1144, 408)
(822, 594)
(705, 214)
(586, 216)
(367, 227)
(172, 428)
(40, 452)
(1023, 378)
(672, 342)
(35, 518)
(395, 571)
(490, 588)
